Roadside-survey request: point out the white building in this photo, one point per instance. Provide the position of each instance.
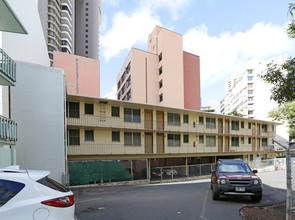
(35, 99)
(250, 95)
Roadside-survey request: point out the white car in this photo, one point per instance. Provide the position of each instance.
(30, 194)
(169, 172)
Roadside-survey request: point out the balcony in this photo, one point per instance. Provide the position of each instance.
(8, 131)
(7, 70)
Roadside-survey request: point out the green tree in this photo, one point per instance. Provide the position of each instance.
(282, 77)
(286, 112)
(236, 113)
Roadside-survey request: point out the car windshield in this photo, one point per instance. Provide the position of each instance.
(234, 168)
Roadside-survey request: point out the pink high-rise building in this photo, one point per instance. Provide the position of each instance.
(164, 75)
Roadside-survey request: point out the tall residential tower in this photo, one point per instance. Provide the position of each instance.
(71, 26)
(165, 75)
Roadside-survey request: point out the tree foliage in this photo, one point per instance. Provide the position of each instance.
(286, 112)
(291, 25)
(236, 113)
(282, 77)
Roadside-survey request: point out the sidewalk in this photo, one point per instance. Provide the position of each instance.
(276, 179)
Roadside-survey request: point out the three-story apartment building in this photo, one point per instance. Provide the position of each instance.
(102, 129)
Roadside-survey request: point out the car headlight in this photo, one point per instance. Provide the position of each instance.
(221, 181)
(256, 182)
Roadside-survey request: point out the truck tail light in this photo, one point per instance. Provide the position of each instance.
(61, 202)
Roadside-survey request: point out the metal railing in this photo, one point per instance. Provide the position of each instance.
(153, 125)
(7, 68)
(8, 131)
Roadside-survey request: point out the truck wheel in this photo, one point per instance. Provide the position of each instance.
(215, 196)
(256, 198)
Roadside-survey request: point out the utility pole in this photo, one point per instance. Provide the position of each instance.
(289, 180)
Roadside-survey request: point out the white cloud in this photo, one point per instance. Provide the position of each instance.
(228, 54)
(112, 94)
(127, 31)
(134, 28)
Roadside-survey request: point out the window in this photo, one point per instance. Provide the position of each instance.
(201, 120)
(86, 41)
(264, 142)
(131, 115)
(86, 52)
(242, 140)
(160, 70)
(173, 119)
(86, 14)
(86, 31)
(8, 190)
(210, 141)
(173, 139)
(160, 57)
(251, 157)
(250, 92)
(235, 125)
(89, 135)
(273, 128)
(185, 138)
(160, 84)
(86, 19)
(115, 111)
(86, 35)
(115, 136)
(73, 109)
(250, 99)
(161, 97)
(201, 139)
(249, 72)
(242, 124)
(132, 139)
(250, 78)
(210, 123)
(235, 141)
(250, 112)
(264, 128)
(74, 137)
(249, 140)
(185, 118)
(89, 109)
(249, 125)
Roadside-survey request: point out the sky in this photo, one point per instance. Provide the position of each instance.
(229, 36)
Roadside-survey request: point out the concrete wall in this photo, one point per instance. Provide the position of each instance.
(191, 75)
(82, 74)
(37, 105)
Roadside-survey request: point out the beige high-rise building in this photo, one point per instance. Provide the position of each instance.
(71, 26)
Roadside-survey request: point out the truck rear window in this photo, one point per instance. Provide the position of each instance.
(8, 189)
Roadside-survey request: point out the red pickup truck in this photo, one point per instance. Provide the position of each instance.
(234, 177)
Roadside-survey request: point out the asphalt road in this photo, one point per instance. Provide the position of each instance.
(186, 200)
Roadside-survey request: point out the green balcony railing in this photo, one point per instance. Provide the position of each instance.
(8, 131)
(7, 69)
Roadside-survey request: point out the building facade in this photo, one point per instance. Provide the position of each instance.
(165, 75)
(71, 26)
(250, 95)
(82, 74)
(102, 129)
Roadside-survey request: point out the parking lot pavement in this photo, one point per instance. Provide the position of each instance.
(276, 179)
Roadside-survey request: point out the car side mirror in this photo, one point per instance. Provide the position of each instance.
(255, 171)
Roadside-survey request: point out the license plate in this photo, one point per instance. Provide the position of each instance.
(240, 189)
